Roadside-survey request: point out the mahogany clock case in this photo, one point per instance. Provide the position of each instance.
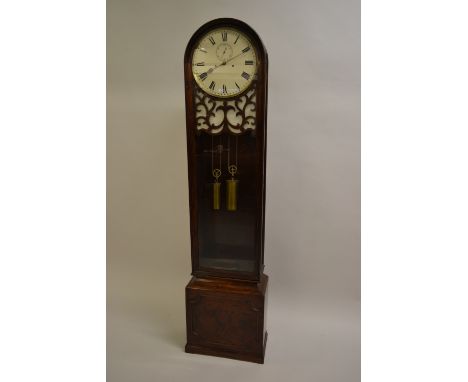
(245, 228)
(226, 297)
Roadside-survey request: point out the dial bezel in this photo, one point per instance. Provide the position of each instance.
(199, 82)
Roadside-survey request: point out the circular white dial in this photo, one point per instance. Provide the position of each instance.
(224, 62)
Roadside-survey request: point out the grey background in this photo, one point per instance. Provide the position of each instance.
(312, 251)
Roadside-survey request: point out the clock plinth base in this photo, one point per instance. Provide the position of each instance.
(226, 318)
(197, 349)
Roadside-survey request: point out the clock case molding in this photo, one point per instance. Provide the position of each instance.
(226, 308)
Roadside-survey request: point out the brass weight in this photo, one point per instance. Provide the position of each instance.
(216, 189)
(231, 189)
(231, 194)
(216, 196)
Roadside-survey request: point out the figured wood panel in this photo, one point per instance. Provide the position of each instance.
(226, 318)
(232, 323)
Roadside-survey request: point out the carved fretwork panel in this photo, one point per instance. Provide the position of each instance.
(215, 116)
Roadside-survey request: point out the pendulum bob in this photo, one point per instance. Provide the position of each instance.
(231, 194)
(216, 196)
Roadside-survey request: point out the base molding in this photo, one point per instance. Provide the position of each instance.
(226, 318)
(197, 349)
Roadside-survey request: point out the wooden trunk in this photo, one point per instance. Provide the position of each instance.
(227, 318)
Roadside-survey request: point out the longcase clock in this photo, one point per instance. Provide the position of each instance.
(226, 69)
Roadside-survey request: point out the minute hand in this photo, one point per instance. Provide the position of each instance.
(225, 62)
(233, 58)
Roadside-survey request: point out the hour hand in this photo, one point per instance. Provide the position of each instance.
(204, 64)
(216, 66)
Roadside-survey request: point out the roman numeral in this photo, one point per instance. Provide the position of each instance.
(212, 85)
(238, 87)
(245, 75)
(246, 49)
(248, 62)
(224, 36)
(237, 38)
(203, 76)
(200, 64)
(224, 89)
(212, 40)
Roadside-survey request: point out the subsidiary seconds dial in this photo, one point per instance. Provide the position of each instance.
(224, 63)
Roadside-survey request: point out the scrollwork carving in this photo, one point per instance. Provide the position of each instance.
(236, 116)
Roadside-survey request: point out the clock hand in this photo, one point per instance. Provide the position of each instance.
(233, 58)
(216, 66)
(224, 62)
